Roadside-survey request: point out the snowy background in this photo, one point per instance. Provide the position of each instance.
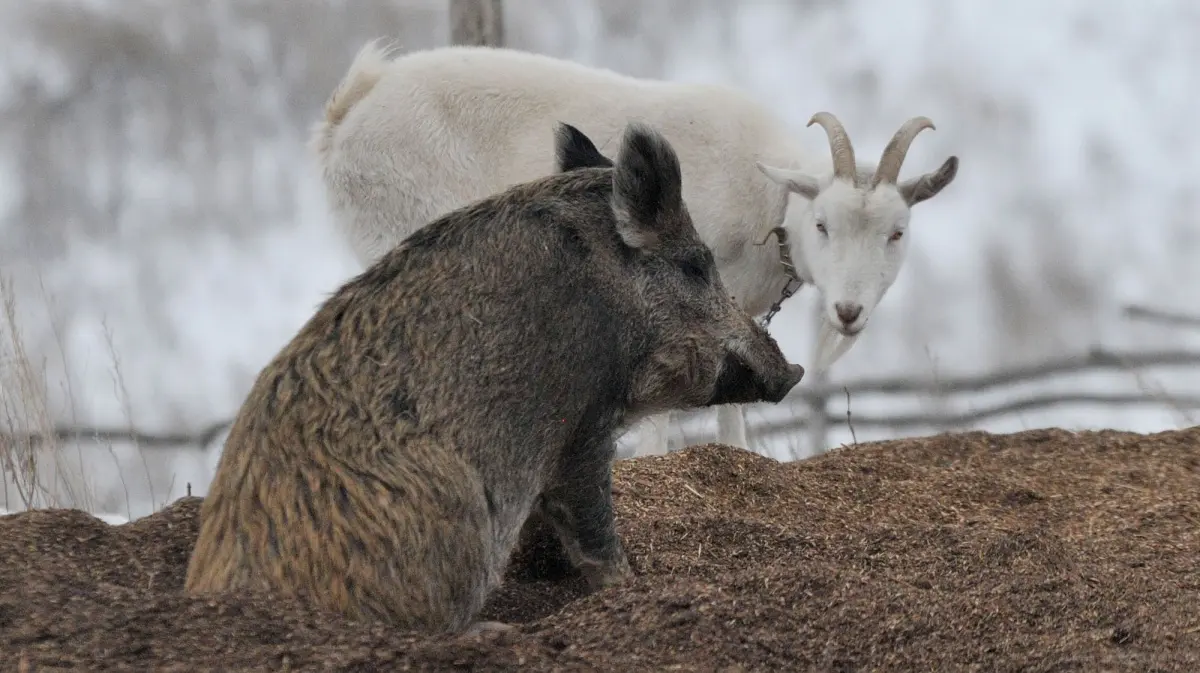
(157, 201)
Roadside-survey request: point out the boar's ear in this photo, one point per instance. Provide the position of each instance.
(647, 187)
(575, 150)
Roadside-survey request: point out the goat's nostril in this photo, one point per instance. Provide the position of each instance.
(848, 312)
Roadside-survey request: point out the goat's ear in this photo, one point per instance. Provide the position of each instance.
(647, 187)
(927, 186)
(797, 182)
(574, 149)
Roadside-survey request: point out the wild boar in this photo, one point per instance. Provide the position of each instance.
(384, 462)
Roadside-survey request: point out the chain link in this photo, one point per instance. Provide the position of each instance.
(789, 267)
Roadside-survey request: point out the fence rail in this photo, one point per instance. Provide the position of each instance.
(820, 395)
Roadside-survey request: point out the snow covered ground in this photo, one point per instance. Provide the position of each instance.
(156, 201)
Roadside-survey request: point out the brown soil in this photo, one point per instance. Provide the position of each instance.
(1038, 551)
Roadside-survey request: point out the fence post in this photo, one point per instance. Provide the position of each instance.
(477, 23)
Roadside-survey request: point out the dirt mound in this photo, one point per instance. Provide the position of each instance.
(1038, 551)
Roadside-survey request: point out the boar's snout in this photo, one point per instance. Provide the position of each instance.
(739, 383)
(784, 385)
(753, 368)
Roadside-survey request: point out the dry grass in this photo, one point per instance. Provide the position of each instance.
(27, 429)
(42, 465)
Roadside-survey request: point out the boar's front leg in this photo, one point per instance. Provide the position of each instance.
(578, 505)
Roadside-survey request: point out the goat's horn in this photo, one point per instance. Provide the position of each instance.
(897, 148)
(839, 144)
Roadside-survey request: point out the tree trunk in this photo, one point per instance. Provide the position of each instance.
(477, 22)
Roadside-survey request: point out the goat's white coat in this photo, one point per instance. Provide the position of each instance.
(404, 141)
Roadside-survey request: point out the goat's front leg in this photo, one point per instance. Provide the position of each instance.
(731, 426)
(652, 435)
(579, 507)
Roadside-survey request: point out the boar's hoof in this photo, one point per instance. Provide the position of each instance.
(603, 574)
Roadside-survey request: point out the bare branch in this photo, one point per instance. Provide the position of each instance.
(149, 440)
(1031, 403)
(1161, 316)
(1093, 361)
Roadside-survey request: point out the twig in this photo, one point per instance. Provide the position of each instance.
(849, 424)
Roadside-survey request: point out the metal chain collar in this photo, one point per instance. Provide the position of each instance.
(789, 267)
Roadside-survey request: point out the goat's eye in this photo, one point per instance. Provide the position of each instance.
(896, 236)
(821, 228)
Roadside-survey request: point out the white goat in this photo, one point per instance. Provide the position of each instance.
(406, 140)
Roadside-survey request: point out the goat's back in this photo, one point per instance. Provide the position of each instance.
(444, 127)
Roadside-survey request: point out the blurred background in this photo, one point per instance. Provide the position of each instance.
(163, 231)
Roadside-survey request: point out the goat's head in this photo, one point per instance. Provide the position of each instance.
(852, 240)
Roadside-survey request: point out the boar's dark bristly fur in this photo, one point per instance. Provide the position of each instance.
(384, 462)
(576, 150)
